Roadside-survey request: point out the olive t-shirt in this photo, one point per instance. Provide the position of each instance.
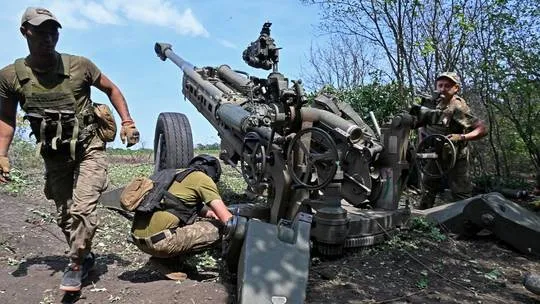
(83, 73)
(196, 188)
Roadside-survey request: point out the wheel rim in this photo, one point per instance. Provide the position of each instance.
(321, 165)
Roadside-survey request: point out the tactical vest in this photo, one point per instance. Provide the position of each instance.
(160, 199)
(56, 122)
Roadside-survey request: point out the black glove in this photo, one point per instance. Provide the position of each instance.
(414, 110)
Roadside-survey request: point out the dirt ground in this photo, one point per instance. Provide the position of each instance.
(416, 267)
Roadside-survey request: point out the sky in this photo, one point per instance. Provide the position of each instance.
(119, 37)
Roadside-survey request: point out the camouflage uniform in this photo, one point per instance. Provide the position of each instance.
(175, 238)
(456, 119)
(74, 184)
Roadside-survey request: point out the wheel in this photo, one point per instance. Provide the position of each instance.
(312, 158)
(435, 155)
(173, 142)
(253, 162)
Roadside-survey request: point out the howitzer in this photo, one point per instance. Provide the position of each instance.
(320, 166)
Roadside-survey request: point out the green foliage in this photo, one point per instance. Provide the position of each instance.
(506, 69)
(214, 152)
(22, 151)
(420, 231)
(204, 260)
(123, 151)
(231, 185)
(383, 99)
(493, 275)
(26, 166)
(208, 147)
(490, 182)
(142, 156)
(17, 183)
(420, 224)
(428, 47)
(423, 282)
(121, 174)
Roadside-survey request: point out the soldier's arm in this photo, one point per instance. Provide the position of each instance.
(8, 114)
(479, 130)
(474, 127)
(118, 101)
(220, 210)
(208, 192)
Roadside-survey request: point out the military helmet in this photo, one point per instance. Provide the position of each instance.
(208, 164)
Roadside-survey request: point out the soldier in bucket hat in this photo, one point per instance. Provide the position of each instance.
(459, 125)
(53, 89)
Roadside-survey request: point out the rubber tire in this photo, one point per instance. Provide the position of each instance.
(177, 141)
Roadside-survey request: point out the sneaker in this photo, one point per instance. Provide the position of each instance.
(87, 265)
(160, 265)
(71, 281)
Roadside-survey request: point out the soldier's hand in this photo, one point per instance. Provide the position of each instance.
(456, 137)
(414, 110)
(212, 215)
(4, 169)
(129, 133)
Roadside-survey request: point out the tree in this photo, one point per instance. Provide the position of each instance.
(343, 64)
(378, 22)
(504, 65)
(383, 99)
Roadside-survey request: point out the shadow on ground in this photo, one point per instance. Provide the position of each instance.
(58, 263)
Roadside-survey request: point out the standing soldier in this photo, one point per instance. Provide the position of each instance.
(460, 126)
(54, 91)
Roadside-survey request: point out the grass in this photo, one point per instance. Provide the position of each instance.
(420, 224)
(121, 174)
(423, 282)
(420, 230)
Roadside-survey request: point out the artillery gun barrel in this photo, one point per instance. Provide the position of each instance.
(231, 115)
(164, 51)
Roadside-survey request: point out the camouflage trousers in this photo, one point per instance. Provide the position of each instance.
(458, 179)
(75, 186)
(186, 239)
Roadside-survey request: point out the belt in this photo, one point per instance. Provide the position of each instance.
(154, 238)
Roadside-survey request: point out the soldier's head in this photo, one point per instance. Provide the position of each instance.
(208, 164)
(40, 28)
(447, 84)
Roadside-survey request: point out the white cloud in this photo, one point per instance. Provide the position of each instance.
(99, 14)
(68, 13)
(82, 14)
(227, 44)
(162, 13)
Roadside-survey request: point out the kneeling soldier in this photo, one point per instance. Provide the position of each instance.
(167, 205)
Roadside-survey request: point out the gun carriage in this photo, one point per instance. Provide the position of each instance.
(326, 175)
